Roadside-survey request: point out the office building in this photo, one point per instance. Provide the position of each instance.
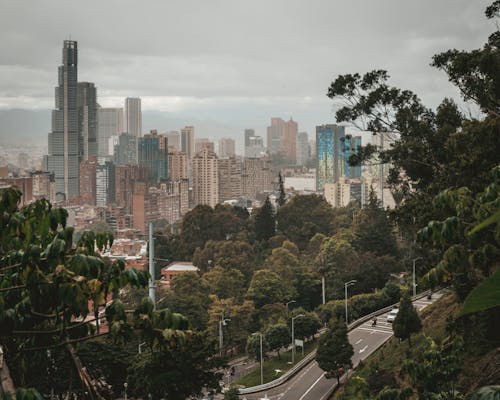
(330, 157)
(153, 155)
(126, 150)
(205, 178)
(133, 116)
(226, 148)
(255, 148)
(88, 178)
(174, 140)
(105, 183)
(44, 186)
(109, 125)
(63, 142)
(351, 146)
(87, 120)
(187, 141)
(258, 176)
(177, 165)
(230, 179)
(282, 138)
(125, 178)
(248, 134)
(204, 143)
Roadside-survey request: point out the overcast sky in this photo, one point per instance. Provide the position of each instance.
(235, 63)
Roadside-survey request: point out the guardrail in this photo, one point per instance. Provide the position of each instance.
(310, 357)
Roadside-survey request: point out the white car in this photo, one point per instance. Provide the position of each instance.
(392, 315)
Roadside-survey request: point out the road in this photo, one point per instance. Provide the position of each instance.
(310, 383)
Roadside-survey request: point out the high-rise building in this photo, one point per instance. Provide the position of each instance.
(255, 148)
(351, 146)
(177, 165)
(187, 141)
(88, 181)
(133, 116)
(226, 148)
(282, 138)
(330, 159)
(125, 178)
(153, 155)
(204, 143)
(126, 150)
(109, 124)
(87, 120)
(44, 186)
(302, 148)
(63, 157)
(205, 178)
(174, 140)
(105, 183)
(230, 179)
(258, 176)
(248, 134)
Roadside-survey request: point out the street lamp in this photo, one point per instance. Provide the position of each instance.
(261, 359)
(414, 284)
(287, 303)
(223, 322)
(293, 336)
(346, 285)
(125, 386)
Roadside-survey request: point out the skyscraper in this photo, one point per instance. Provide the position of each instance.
(153, 155)
(174, 140)
(226, 148)
(109, 123)
(63, 157)
(282, 138)
(87, 120)
(187, 141)
(205, 178)
(248, 134)
(329, 144)
(133, 116)
(126, 150)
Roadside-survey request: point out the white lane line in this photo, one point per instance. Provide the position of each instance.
(363, 349)
(374, 330)
(359, 341)
(308, 390)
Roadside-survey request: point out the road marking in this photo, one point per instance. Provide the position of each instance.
(374, 330)
(308, 390)
(363, 349)
(359, 341)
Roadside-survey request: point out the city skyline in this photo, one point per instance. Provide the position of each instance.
(223, 83)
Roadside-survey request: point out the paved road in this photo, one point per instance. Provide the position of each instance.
(310, 383)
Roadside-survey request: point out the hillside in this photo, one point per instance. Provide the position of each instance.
(384, 367)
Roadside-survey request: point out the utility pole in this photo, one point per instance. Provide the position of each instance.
(346, 285)
(152, 291)
(293, 336)
(414, 284)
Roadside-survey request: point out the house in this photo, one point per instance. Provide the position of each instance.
(174, 268)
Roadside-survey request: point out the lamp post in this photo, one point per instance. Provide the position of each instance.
(223, 322)
(293, 336)
(346, 285)
(287, 303)
(125, 386)
(414, 284)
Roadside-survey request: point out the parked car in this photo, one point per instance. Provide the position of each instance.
(392, 315)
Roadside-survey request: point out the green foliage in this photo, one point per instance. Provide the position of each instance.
(407, 321)
(253, 346)
(232, 394)
(175, 373)
(266, 287)
(334, 350)
(225, 283)
(304, 216)
(306, 326)
(277, 336)
(264, 221)
(485, 393)
(282, 197)
(484, 296)
(436, 372)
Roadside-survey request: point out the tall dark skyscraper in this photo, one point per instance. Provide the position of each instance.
(63, 157)
(87, 120)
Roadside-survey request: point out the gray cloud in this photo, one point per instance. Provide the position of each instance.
(231, 60)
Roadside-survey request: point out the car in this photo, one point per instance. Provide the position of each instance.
(392, 315)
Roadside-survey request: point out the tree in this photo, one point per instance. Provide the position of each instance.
(190, 297)
(286, 266)
(232, 394)
(306, 326)
(253, 346)
(407, 321)
(334, 350)
(265, 222)
(282, 197)
(266, 287)
(175, 373)
(277, 336)
(373, 230)
(225, 283)
(304, 216)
